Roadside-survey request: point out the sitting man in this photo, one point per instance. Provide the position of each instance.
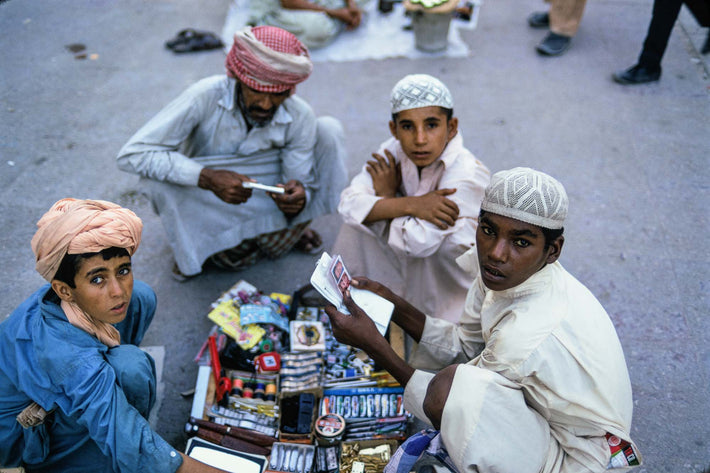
(316, 23)
(226, 130)
(75, 390)
(415, 205)
(533, 378)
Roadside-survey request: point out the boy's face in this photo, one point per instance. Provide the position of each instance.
(103, 288)
(423, 133)
(510, 251)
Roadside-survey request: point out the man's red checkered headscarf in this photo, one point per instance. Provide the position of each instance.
(268, 59)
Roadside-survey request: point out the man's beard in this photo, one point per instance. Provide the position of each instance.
(247, 112)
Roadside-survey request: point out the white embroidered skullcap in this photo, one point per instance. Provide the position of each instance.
(527, 195)
(420, 90)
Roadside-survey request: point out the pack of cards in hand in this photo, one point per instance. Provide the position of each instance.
(331, 279)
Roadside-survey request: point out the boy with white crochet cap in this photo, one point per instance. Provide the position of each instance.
(413, 208)
(533, 379)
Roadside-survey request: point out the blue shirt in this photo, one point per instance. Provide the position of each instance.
(92, 428)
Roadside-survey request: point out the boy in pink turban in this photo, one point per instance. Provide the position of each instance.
(75, 389)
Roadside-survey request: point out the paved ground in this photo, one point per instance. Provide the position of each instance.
(634, 160)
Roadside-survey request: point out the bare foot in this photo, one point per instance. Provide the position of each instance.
(310, 242)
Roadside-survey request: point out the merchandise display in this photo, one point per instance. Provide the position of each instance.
(273, 381)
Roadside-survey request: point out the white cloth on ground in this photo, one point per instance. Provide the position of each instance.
(550, 381)
(420, 253)
(203, 127)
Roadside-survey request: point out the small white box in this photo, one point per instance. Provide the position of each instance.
(306, 335)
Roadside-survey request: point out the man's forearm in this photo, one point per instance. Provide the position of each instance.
(301, 5)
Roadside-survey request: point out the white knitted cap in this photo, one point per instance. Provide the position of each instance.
(527, 195)
(420, 90)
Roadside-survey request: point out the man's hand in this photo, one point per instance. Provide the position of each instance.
(386, 174)
(293, 200)
(227, 185)
(434, 207)
(350, 15)
(437, 393)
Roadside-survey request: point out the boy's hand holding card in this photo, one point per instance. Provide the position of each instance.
(331, 279)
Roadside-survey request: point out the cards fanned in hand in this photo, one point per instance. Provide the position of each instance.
(331, 279)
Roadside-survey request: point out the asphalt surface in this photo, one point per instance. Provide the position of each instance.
(634, 161)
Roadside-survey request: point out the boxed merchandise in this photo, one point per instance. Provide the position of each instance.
(366, 456)
(298, 413)
(291, 457)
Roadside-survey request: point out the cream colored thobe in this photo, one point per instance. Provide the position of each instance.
(410, 255)
(549, 383)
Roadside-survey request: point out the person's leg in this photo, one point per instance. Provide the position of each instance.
(315, 29)
(564, 18)
(478, 410)
(648, 67)
(135, 374)
(330, 157)
(665, 13)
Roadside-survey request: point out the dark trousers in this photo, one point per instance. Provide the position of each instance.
(665, 14)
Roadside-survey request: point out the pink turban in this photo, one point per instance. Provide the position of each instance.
(74, 226)
(268, 59)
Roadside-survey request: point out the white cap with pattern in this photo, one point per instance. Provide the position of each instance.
(527, 195)
(420, 90)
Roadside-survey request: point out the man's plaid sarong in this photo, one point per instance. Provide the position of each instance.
(270, 245)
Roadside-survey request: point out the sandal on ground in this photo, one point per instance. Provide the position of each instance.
(177, 274)
(310, 242)
(190, 40)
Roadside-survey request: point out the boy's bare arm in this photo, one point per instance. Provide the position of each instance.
(408, 317)
(358, 330)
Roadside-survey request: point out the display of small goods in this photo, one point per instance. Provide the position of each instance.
(288, 390)
(291, 457)
(366, 456)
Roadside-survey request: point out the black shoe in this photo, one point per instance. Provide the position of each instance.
(554, 44)
(637, 75)
(539, 19)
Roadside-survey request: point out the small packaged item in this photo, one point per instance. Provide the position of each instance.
(291, 457)
(329, 429)
(307, 336)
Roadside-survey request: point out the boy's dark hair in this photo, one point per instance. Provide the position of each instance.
(449, 112)
(70, 263)
(550, 234)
